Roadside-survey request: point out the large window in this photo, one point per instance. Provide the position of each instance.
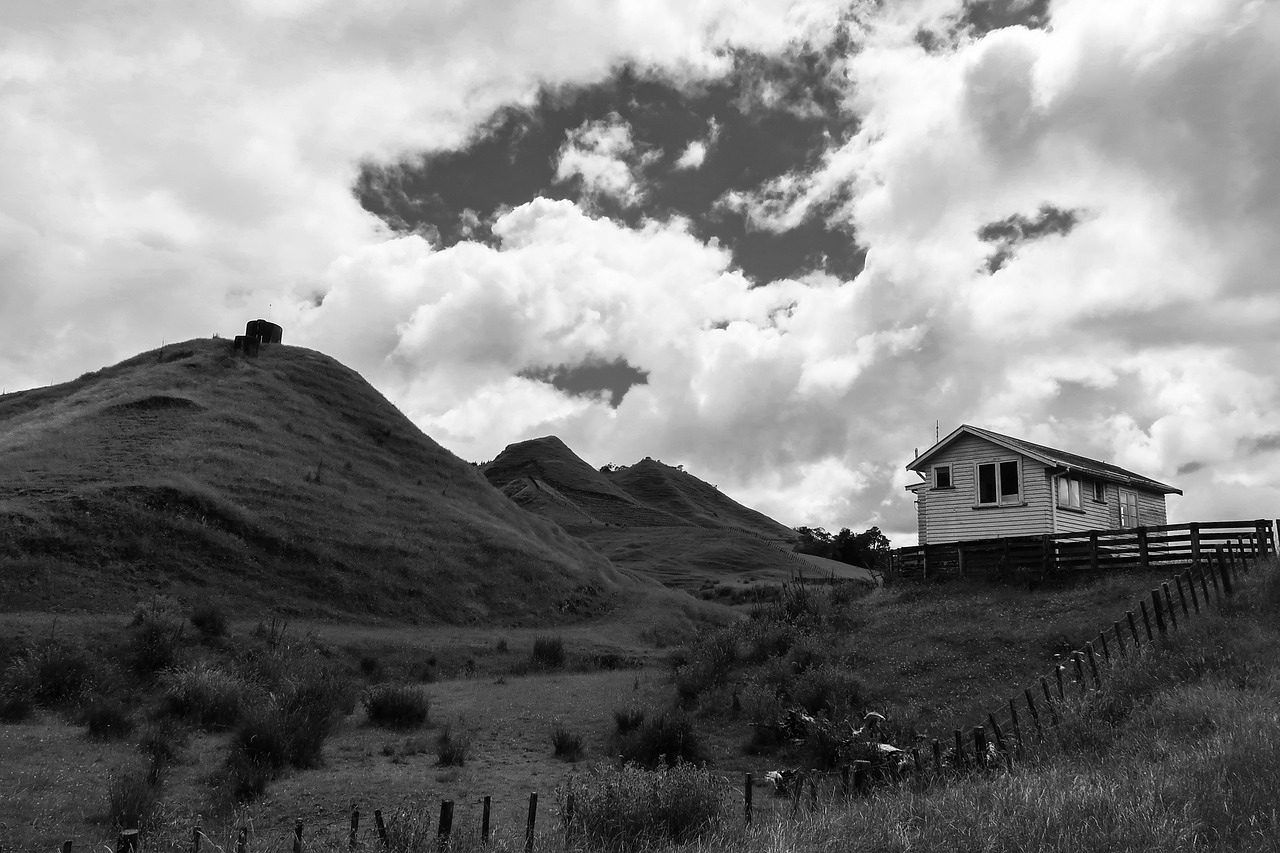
(1069, 492)
(1128, 509)
(942, 477)
(999, 483)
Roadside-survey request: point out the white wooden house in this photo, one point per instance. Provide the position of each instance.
(979, 484)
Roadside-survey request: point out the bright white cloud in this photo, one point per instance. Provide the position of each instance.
(602, 155)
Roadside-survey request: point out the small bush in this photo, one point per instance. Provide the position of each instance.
(133, 800)
(16, 703)
(209, 619)
(548, 652)
(370, 667)
(667, 738)
(50, 673)
(452, 747)
(632, 809)
(568, 745)
(162, 744)
(155, 645)
(107, 719)
(628, 719)
(396, 706)
(205, 695)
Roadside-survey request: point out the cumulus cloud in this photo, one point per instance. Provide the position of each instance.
(602, 156)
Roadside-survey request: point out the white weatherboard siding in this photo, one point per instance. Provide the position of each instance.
(1151, 509)
(953, 515)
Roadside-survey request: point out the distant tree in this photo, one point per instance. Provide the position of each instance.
(608, 468)
(869, 549)
(816, 541)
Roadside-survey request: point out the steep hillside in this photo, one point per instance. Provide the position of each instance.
(283, 481)
(657, 520)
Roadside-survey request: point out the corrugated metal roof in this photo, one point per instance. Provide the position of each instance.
(1052, 457)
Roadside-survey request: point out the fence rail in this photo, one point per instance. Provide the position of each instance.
(1094, 550)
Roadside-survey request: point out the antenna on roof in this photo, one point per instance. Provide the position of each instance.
(937, 431)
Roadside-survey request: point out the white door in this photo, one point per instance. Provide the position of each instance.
(1128, 508)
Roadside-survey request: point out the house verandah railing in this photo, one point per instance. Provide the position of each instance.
(1136, 547)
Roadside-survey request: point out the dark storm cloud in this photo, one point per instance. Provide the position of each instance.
(591, 377)
(983, 16)
(1189, 468)
(771, 115)
(1010, 232)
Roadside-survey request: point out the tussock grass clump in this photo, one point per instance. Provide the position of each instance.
(667, 738)
(209, 619)
(548, 652)
(452, 747)
(156, 641)
(205, 695)
(133, 799)
(106, 718)
(567, 744)
(627, 719)
(629, 808)
(396, 706)
(49, 673)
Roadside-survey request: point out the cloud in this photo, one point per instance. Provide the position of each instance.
(602, 156)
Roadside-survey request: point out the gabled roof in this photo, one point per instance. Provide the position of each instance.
(1048, 456)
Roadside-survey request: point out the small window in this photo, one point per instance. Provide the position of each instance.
(1069, 492)
(942, 476)
(999, 483)
(1099, 491)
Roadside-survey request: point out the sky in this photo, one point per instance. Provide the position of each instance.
(779, 242)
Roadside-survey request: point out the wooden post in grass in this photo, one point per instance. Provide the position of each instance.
(195, 838)
(1017, 729)
(844, 781)
(297, 836)
(1195, 542)
(127, 841)
(1062, 691)
(445, 828)
(813, 794)
(1133, 628)
(1227, 587)
(916, 768)
(531, 823)
(1211, 566)
(746, 797)
(795, 793)
(1078, 658)
(937, 757)
(353, 837)
(484, 822)
(960, 762)
(862, 777)
(1204, 583)
(1093, 664)
(1093, 550)
(1169, 608)
(568, 819)
(1146, 621)
(1158, 610)
(242, 841)
(1144, 556)
(1191, 587)
(1106, 650)
(1035, 715)
(66, 846)
(1120, 640)
(998, 732)
(1048, 700)
(980, 746)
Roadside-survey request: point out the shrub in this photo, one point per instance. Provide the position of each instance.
(667, 738)
(107, 719)
(49, 673)
(396, 706)
(16, 702)
(548, 652)
(568, 745)
(370, 667)
(162, 744)
(452, 747)
(209, 619)
(155, 644)
(632, 809)
(209, 697)
(628, 719)
(133, 800)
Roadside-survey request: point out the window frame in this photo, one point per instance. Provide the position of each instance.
(1016, 499)
(1099, 491)
(1075, 493)
(951, 475)
(1125, 494)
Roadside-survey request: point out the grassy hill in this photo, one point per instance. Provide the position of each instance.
(659, 521)
(283, 481)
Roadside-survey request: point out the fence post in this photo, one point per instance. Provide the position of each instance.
(1159, 611)
(1017, 729)
(484, 821)
(1191, 586)
(1195, 542)
(1093, 550)
(1062, 691)
(1047, 559)
(746, 796)
(445, 828)
(1214, 565)
(242, 841)
(1182, 596)
(531, 823)
(66, 846)
(1144, 556)
(813, 794)
(1093, 664)
(568, 819)
(127, 842)
(1120, 640)
(980, 746)
(353, 837)
(382, 827)
(960, 762)
(1078, 658)
(1169, 609)
(297, 836)
(195, 838)
(917, 768)
(795, 794)
(1048, 700)
(1106, 649)
(998, 733)
(1035, 715)
(1133, 628)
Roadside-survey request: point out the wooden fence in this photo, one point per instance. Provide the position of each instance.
(1094, 550)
